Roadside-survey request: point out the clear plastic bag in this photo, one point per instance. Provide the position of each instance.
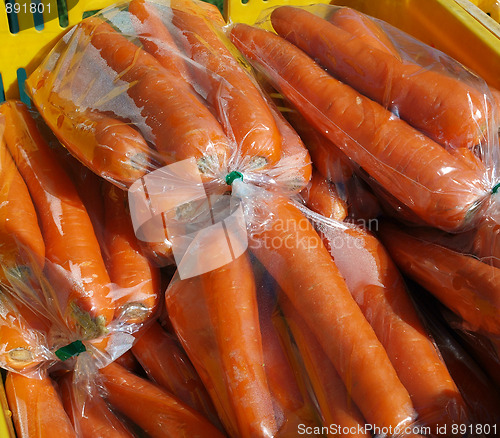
(419, 124)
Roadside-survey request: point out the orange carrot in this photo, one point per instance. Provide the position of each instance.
(90, 415)
(19, 229)
(381, 294)
(230, 293)
(337, 408)
(154, 410)
(74, 262)
(137, 282)
(448, 110)
(322, 197)
(187, 309)
(36, 408)
(397, 156)
(109, 147)
(229, 89)
(167, 364)
(363, 27)
(464, 284)
(295, 256)
(156, 38)
(291, 406)
(182, 127)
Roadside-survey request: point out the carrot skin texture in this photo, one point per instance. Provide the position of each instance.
(449, 111)
(182, 127)
(464, 284)
(90, 415)
(399, 157)
(335, 403)
(239, 105)
(312, 282)
(72, 250)
(128, 267)
(165, 362)
(154, 410)
(36, 408)
(231, 298)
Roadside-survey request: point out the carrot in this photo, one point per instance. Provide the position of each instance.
(74, 263)
(181, 126)
(295, 256)
(136, 279)
(187, 308)
(381, 294)
(229, 89)
(337, 409)
(156, 38)
(230, 294)
(19, 229)
(294, 170)
(447, 109)
(397, 156)
(363, 27)
(36, 408)
(158, 413)
(90, 415)
(322, 197)
(464, 284)
(291, 406)
(167, 364)
(109, 147)
(327, 158)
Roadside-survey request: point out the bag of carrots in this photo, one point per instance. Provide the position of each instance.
(420, 127)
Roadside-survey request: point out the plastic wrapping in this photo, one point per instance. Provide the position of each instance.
(418, 123)
(155, 99)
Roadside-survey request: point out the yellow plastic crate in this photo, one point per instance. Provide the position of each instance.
(22, 51)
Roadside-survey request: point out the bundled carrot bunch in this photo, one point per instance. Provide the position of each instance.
(287, 315)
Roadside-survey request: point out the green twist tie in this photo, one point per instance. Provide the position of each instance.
(495, 189)
(70, 350)
(230, 177)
